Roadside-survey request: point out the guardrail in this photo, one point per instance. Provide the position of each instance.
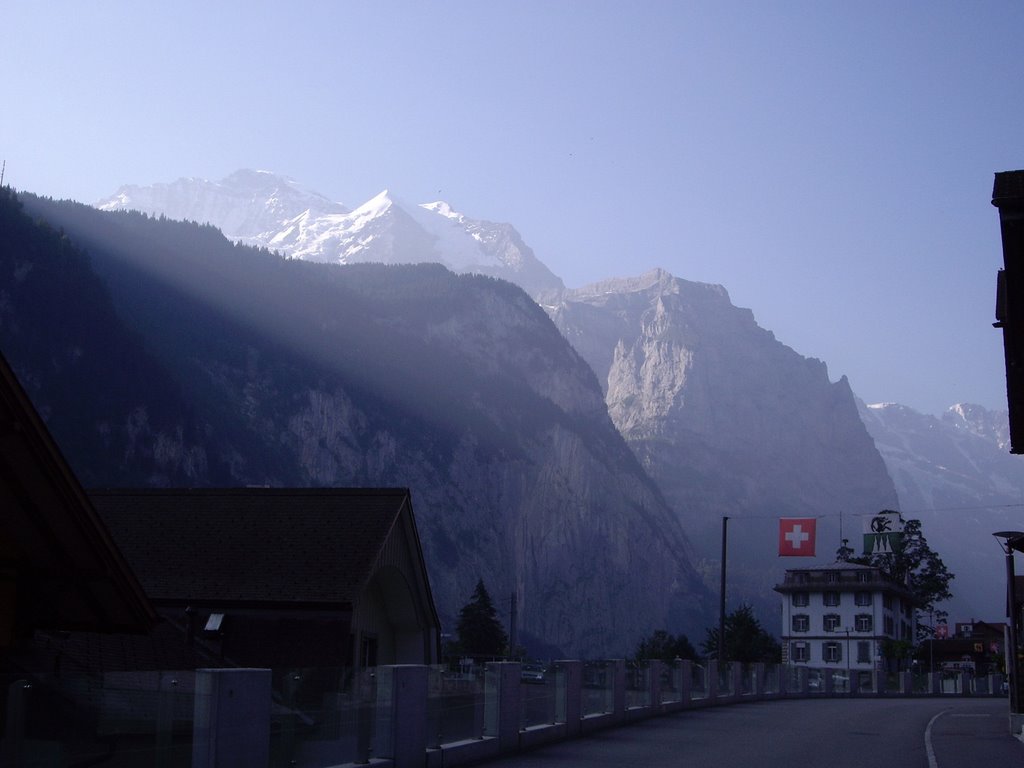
(405, 716)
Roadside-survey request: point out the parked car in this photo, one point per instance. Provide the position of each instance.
(532, 673)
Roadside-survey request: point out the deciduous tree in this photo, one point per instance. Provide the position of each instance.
(915, 565)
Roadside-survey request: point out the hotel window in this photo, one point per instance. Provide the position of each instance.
(889, 626)
(832, 576)
(832, 652)
(887, 602)
(831, 598)
(862, 598)
(863, 651)
(801, 599)
(863, 576)
(830, 622)
(799, 652)
(801, 622)
(863, 622)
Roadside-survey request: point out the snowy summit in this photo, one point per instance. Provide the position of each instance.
(264, 209)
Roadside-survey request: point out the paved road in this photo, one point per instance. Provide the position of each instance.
(830, 733)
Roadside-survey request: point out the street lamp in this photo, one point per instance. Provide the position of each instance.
(849, 681)
(1011, 540)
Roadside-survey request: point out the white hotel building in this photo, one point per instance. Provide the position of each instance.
(838, 615)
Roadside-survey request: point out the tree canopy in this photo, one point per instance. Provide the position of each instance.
(666, 647)
(746, 640)
(914, 564)
(480, 632)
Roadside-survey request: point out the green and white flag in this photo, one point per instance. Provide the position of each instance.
(883, 533)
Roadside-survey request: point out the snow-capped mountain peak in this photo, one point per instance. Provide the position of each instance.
(265, 209)
(248, 206)
(375, 206)
(442, 208)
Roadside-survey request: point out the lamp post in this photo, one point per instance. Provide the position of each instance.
(931, 643)
(1011, 540)
(721, 595)
(849, 682)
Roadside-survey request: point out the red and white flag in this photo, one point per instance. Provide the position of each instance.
(796, 536)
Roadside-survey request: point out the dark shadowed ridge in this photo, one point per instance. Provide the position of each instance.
(281, 372)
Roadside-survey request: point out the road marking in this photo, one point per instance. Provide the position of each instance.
(932, 762)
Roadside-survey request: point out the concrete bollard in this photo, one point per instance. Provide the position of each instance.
(231, 718)
(569, 703)
(619, 689)
(501, 703)
(402, 694)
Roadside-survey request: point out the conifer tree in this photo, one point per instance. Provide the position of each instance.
(745, 639)
(480, 632)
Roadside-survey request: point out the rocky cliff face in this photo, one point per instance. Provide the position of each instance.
(303, 374)
(727, 420)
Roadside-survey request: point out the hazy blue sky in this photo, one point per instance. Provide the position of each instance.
(829, 163)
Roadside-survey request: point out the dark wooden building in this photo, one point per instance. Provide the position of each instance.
(281, 577)
(60, 570)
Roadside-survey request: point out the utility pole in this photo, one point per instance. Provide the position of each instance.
(721, 596)
(512, 627)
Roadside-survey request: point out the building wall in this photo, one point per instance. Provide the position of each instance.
(863, 614)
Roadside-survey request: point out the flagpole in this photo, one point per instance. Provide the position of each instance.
(721, 596)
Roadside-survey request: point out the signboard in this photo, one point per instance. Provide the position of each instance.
(883, 533)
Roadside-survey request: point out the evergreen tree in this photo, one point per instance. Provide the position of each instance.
(746, 640)
(665, 646)
(480, 632)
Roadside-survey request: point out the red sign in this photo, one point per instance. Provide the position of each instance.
(796, 536)
(941, 631)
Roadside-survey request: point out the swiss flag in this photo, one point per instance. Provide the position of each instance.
(796, 536)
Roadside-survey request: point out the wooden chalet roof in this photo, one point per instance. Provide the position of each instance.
(70, 573)
(253, 545)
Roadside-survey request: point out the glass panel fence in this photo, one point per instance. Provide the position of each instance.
(455, 705)
(772, 676)
(638, 685)
(598, 687)
(131, 718)
(541, 690)
(698, 681)
(725, 679)
(325, 716)
(671, 682)
(747, 684)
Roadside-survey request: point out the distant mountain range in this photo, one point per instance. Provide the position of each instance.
(162, 354)
(956, 474)
(725, 418)
(670, 409)
(266, 210)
